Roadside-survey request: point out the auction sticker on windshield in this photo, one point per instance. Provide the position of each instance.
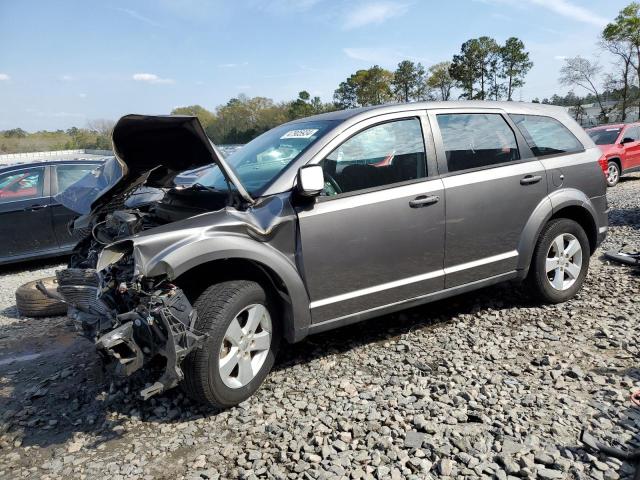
(303, 133)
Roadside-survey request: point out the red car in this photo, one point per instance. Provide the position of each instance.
(620, 145)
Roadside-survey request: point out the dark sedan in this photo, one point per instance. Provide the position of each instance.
(32, 223)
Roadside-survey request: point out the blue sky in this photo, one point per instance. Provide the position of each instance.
(65, 62)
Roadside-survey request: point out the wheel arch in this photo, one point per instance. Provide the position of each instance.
(566, 203)
(212, 260)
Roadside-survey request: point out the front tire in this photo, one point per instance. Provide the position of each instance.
(243, 339)
(613, 173)
(560, 261)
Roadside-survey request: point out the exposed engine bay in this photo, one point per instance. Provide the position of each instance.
(136, 320)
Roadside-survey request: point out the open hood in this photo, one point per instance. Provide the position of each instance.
(154, 149)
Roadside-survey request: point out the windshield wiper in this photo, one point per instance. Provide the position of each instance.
(200, 186)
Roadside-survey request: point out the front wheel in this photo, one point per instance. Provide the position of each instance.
(243, 339)
(613, 173)
(560, 261)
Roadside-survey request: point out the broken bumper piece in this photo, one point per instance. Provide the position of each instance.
(159, 323)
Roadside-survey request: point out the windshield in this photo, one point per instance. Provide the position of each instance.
(604, 136)
(264, 158)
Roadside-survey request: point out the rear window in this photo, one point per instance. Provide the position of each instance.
(546, 135)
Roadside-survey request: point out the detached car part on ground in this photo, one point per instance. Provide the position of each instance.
(320, 223)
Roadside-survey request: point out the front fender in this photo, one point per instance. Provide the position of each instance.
(180, 257)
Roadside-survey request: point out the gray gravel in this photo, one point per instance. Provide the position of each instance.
(484, 385)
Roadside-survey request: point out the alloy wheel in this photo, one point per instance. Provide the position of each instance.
(245, 346)
(564, 261)
(612, 174)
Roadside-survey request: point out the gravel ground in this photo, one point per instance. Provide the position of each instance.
(484, 385)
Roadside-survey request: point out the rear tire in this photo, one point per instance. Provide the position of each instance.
(560, 261)
(613, 173)
(206, 378)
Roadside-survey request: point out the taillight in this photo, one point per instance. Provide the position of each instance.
(603, 163)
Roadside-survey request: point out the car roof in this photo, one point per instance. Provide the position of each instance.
(17, 166)
(509, 107)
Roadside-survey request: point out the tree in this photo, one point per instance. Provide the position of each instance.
(622, 39)
(464, 68)
(365, 87)
(409, 81)
(477, 62)
(205, 116)
(301, 107)
(515, 64)
(440, 80)
(346, 95)
(101, 126)
(581, 72)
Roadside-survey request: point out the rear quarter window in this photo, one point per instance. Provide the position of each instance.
(546, 135)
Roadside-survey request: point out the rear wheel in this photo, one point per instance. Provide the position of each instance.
(243, 339)
(560, 261)
(613, 173)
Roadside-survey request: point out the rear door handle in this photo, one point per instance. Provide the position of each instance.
(530, 179)
(36, 207)
(423, 201)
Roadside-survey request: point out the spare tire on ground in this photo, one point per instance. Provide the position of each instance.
(32, 303)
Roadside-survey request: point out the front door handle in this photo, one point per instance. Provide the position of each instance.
(423, 201)
(530, 179)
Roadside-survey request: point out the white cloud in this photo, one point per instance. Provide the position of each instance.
(138, 16)
(570, 10)
(82, 95)
(373, 13)
(286, 6)
(4, 77)
(566, 8)
(233, 65)
(384, 56)
(66, 78)
(150, 78)
(559, 57)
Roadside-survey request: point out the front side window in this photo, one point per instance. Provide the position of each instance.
(476, 140)
(22, 185)
(70, 174)
(546, 135)
(633, 133)
(261, 160)
(381, 155)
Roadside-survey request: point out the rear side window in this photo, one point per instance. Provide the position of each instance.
(70, 174)
(546, 135)
(476, 140)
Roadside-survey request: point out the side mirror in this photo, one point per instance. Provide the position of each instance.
(310, 180)
(627, 140)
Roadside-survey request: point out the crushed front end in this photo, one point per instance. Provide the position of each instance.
(134, 321)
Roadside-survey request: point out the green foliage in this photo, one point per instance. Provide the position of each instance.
(365, 87)
(482, 66)
(440, 80)
(409, 81)
(515, 64)
(19, 141)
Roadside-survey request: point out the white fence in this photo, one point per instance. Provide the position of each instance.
(54, 155)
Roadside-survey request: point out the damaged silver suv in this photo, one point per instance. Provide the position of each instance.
(319, 223)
